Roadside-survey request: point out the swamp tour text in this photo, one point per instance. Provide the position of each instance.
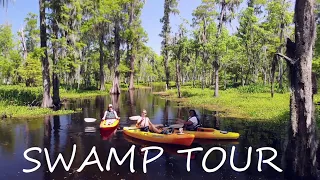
(130, 152)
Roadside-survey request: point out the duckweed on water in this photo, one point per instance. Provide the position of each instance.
(12, 111)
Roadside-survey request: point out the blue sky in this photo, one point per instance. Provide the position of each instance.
(151, 15)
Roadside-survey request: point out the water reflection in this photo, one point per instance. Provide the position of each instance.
(107, 134)
(216, 120)
(59, 133)
(90, 129)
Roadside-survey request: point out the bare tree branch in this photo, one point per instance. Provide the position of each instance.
(291, 61)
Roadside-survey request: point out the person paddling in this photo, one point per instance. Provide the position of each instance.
(145, 124)
(192, 123)
(110, 115)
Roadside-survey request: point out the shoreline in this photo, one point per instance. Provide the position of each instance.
(15, 111)
(233, 104)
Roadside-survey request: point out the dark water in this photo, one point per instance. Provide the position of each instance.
(59, 133)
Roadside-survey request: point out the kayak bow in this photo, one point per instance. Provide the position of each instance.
(104, 125)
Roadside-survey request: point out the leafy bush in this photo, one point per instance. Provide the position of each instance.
(254, 88)
(31, 71)
(260, 88)
(19, 95)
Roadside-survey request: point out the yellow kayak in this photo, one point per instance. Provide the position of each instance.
(210, 133)
(106, 126)
(168, 148)
(179, 139)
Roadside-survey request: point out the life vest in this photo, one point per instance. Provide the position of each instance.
(110, 115)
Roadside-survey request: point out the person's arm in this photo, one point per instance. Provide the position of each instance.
(105, 115)
(139, 122)
(188, 122)
(115, 113)
(181, 121)
(149, 121)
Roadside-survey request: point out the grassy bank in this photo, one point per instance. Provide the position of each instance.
(74, 93)
(15, 101)
(14, 111)
(234, 102)
(21, 95)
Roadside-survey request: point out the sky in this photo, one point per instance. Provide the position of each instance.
(151, 15)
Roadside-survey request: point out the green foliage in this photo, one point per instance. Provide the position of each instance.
(32, 32)
(14, 111)
(254, 88)
(20, 95)
(6, 40)
(232, 103)
(31, 71)
(10, 59)
(83, 32)
(123, 68)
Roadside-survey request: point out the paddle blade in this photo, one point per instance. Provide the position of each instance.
(134, 118)
(90, 119)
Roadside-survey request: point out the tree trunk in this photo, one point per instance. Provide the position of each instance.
(280, 74)
(216, 75)
(256, 72)
(116, 81)
(24, 46)
(216, 60)
(131, 55)
(55, 73)
(213, 75)
(225, 79)
(166, 33)
(132, 59)
(166, 69)
(281, 34)
(265, 77)
(195, 69)
(202, 78)
(46, 100)
(25, 55)
(102, 80)
(301, 146)
(178, 74)
(78, 76)
(55, 80)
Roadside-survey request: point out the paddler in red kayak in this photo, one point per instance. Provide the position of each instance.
(110, 115)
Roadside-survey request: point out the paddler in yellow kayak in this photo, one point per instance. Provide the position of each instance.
(145, 124)
(192, 123)
(110, 115)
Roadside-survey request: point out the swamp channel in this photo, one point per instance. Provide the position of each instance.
(59, 133)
